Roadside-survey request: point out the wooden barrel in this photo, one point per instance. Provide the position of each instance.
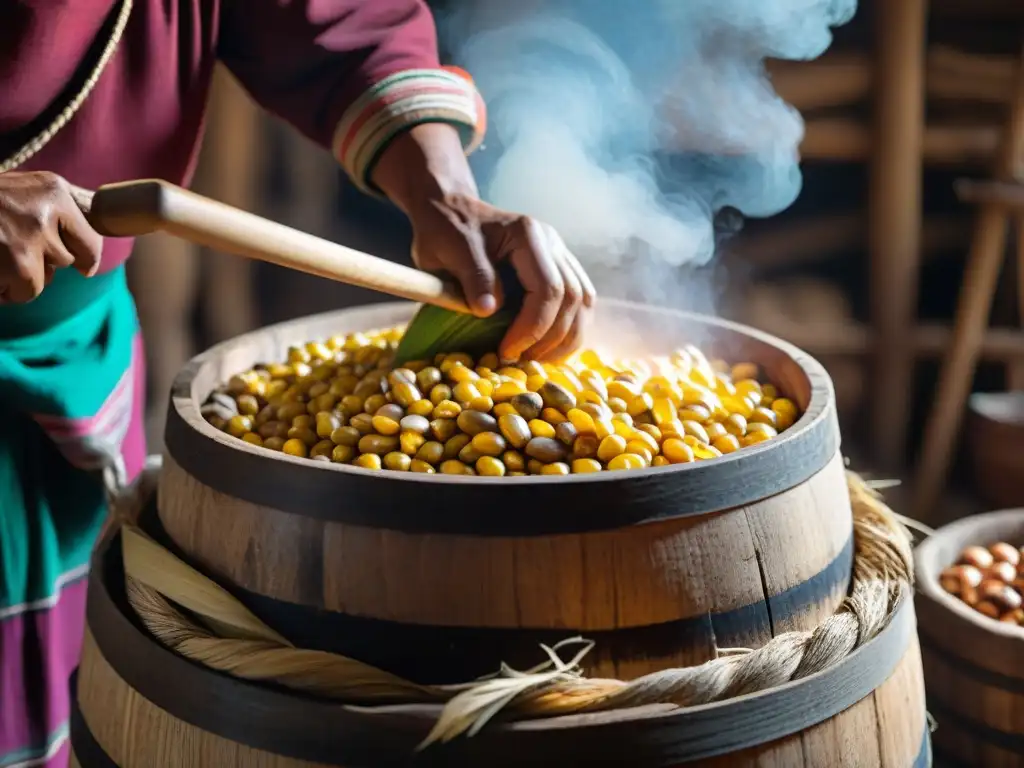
(973, 665)
(440, 578)
(139, 705)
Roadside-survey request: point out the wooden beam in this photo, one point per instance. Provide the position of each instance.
(895, 212)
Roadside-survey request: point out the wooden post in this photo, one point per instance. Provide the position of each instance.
(982, 270)
(895, 216)
(1015, 370)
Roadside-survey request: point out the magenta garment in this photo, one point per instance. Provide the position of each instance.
(305, 61)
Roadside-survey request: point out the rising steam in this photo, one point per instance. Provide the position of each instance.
(630, 125)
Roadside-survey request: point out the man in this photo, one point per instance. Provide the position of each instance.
(97, 91)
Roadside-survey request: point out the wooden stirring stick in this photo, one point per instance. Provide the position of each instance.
(134, 208)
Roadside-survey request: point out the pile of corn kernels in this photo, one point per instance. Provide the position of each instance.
(990, 580)
(342, 401)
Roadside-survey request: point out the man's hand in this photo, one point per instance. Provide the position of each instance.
(425, 173)
(465, 237)
(42, 230)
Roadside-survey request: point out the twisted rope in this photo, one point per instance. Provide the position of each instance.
(36, 144)
(198, 619)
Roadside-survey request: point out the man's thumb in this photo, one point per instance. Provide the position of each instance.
(479, 282)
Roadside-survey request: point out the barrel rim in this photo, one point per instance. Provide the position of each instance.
(939, 551)
(312, 489)
(303, 727)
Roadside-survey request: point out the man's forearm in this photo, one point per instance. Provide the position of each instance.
(423, 164)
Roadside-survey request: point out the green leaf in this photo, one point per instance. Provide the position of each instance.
(433, 330)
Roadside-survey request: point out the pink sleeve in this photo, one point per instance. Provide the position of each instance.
(349, 74)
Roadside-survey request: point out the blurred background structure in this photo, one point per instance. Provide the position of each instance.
(864, 271)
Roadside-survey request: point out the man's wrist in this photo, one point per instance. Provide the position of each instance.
(422, 166)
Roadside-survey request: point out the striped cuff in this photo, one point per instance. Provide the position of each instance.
(400, 101)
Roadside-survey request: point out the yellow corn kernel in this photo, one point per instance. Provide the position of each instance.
(514, 461)
(697, 430)
(706, 452)
(515, 429)
(762, 429)
(539, 428)
(385, 425)
(503, 409)
(585, 466)
(552, 416)
(535, 381)
(514, 374)
(295, 447)
(676, 451)
(624, 390)
(626, 461)
(785, 412)
(582, 421)
(459, 373)
(714, 429)
(726, 443)
(507, 390)
(446, 409)
(617, 405)
(695, 412)
(397, 462)
(641, 403)
(368, 461)
(440, 393)
(488, 443)
(410, 442)
(239, 425)
(762, 415)
(735, 424)
(555, 468)
(646, 439)
(465, 392)
(639, 448)
(488, 466)
(622, 428)
(738, 405)
(453, 467)
(252, 438)
(610, 447)
(420, 466)
(660, 461)
(483, 404)
(673, 428)
(724, 387)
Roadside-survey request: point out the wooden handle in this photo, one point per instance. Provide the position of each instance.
(134, 208)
